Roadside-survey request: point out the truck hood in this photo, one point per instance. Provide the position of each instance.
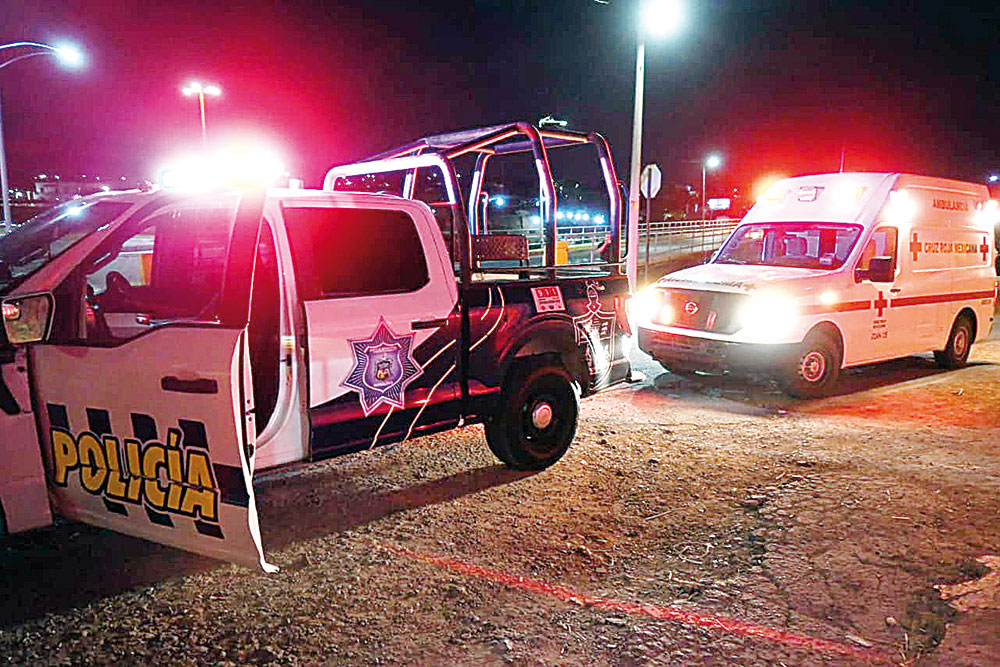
(738, 277)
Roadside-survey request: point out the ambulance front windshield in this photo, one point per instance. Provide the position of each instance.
(807, 245)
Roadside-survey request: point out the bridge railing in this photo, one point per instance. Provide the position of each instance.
(664, 238)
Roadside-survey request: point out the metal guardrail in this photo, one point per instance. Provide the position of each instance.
(663, 238)
(674, 237)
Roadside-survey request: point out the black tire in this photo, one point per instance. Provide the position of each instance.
(956, 353)
(535, 419)
(815, 368)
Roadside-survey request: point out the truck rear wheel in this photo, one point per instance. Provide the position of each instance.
(815, 367)
(956, 353)
(535, 419)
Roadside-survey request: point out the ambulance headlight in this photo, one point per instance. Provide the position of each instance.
(652, 306)
(768, 316)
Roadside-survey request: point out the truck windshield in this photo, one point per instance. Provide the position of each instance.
(809, 245)
(49, 234)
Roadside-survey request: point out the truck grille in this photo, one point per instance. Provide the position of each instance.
(705, 310)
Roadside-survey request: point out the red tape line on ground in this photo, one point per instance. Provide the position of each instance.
(730, 625)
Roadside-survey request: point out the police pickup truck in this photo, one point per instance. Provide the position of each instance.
(161, 348)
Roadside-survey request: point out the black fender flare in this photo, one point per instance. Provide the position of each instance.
(551, 336)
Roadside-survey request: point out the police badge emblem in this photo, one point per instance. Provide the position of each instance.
(383, 367)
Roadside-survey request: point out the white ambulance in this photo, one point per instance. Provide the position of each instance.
(831, 271)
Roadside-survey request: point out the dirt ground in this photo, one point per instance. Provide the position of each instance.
(693, 521)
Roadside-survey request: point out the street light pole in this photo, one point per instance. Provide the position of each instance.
(195, 88)
(204, 130)
(663, 18)
(710, 162)
(703, 169)
(69, 56)
(632, 249)
(4, 183)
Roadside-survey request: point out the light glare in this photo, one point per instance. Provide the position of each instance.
(662, 18)
(69, 55)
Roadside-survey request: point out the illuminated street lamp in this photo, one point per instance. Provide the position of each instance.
(657, 19)
(710, 162)
(196, 88)
(68, 55)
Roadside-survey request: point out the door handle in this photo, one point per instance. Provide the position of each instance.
(430, 324)
(895, 290)
(196, 386)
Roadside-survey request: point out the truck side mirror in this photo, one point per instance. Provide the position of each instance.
(27, 319)
(880, 270)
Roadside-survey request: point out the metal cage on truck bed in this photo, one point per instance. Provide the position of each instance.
(426, 169)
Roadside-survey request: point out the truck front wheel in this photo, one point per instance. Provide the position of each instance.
(815, 367)
(535, 419)
(959, 341)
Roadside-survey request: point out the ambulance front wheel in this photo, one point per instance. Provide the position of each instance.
(535, 419)
(815, 367)
(956, 353)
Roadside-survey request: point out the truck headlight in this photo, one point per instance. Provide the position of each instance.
(768, 315)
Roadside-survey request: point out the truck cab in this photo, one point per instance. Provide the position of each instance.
(172, 345)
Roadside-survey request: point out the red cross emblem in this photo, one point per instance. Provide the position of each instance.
(881, 303)
(915, 246)
(985, 249)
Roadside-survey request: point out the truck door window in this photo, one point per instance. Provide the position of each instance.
(881, 244)
(163, 270)
(342, 252)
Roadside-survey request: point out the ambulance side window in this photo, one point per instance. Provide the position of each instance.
(881, 244)
(162, 270)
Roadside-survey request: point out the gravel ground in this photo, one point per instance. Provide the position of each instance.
(832, 519)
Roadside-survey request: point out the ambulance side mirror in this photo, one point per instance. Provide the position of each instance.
(880, 270)
(27, 319)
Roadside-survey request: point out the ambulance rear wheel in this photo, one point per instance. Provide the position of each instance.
(956, 354)
(815, 367)
(535, 419)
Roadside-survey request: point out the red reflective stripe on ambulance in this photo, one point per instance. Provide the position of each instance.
(844, 307)
(941, 298)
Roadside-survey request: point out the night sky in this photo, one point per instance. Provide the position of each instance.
(775, 87)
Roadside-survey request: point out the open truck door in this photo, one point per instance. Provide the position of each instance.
(144, 389)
